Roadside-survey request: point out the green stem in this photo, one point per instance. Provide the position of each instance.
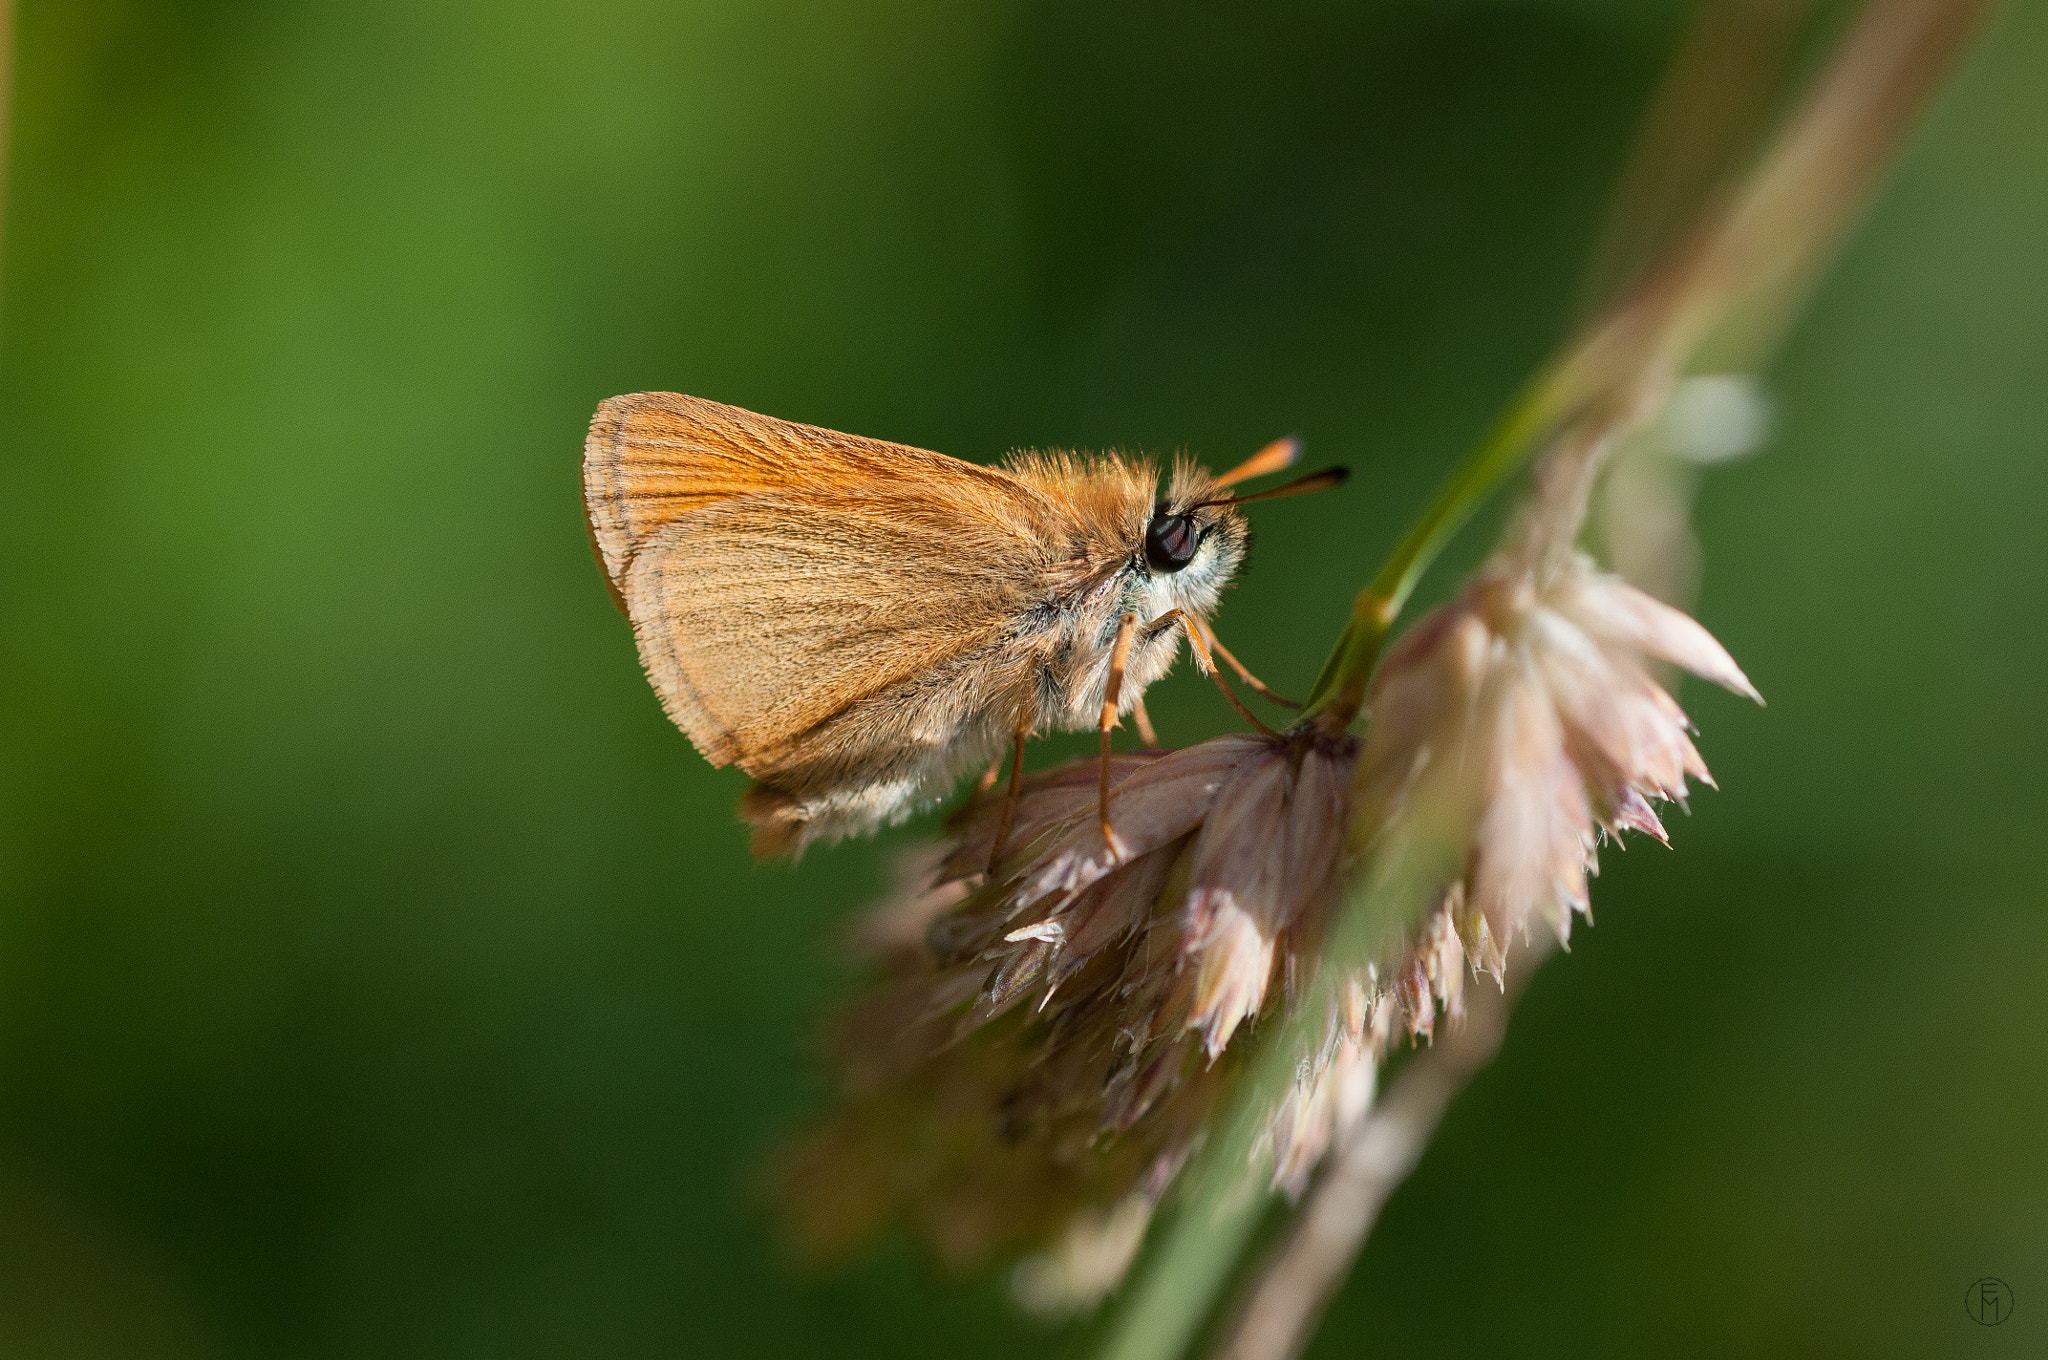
(1178, 1285)
(1339, 690)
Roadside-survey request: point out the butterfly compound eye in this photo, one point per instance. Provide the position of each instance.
(1170, 542)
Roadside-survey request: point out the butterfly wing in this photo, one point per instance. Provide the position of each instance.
(818, 608)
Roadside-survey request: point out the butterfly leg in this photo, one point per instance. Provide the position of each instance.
(1146, 732)
(1206, 663)
(1243, 674)
(1009, 814)
(1119, 655)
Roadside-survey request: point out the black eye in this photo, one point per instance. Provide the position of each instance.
(1170, 542)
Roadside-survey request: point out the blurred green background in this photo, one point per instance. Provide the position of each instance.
(382, 975)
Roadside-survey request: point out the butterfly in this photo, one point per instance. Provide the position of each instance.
(857, 624)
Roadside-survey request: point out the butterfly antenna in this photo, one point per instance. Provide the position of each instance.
(1325, 480)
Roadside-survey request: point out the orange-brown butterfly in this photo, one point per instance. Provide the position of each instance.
(857, 624)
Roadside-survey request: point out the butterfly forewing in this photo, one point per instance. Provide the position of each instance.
(807, 601)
